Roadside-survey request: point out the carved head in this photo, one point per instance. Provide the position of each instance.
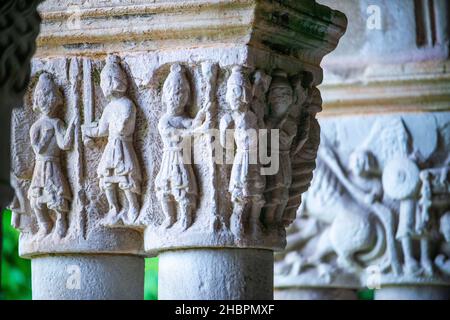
(238, 90)
(47, 96)
(176, 90)
(445, 226)
(113, 79)
(280, 94)
(363, 163)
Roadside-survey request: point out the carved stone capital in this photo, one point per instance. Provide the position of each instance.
(99, 167)
(377, 212)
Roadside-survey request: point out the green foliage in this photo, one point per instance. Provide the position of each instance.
(366, 294)
(151, 279)
(16, 272)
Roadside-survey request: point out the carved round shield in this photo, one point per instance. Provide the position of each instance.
(401, 178)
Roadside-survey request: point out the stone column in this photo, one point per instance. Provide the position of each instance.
(119, 151)
(379, 199)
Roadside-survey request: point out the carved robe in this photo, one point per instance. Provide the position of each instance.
(175, 178)
(49, 186)
(246, 179)
(119, 162)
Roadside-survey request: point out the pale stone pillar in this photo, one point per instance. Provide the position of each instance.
(116, 108)
(378, 207)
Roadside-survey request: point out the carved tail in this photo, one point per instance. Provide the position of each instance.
(379, 250)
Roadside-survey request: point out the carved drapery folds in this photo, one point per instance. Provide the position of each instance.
(208, 146)
(377, 212)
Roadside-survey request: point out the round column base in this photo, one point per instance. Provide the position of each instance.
(216, 274)
(315, 294)
(413, 293)
(87, 277)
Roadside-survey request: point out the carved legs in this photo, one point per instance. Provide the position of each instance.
(111, 195)
(187, 208)
(61, 224)
(425, 260)
(43, 218)
(133, 206)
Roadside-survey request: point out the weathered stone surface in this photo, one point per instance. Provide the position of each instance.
(376, 213)
(18, 31)
(383, 149)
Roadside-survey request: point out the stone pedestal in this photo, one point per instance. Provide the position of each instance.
(216, 274)
(138, 135)
(88, 277)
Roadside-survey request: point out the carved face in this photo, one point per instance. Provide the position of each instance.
(47, 101)
(280, 99)
(363, 163)
(236, 97)
(112, 85)
(175, 97)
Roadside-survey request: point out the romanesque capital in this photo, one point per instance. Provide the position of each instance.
(377, 212)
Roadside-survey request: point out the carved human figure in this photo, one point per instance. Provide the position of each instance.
(280, 99)
(246, 183)
(49, 189)
(118, 167)
(401, 182)
(176, 183)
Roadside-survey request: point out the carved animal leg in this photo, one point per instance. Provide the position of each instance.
(323, 248)
(168, 208)
(425, 260)
(443, 264)
(44, 221)
(411, 265)
(61, 224)
(133, 207)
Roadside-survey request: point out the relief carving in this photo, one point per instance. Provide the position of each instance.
(246, 184)
(176, 183)
(388, 210)
(49, 190)
(118, 168)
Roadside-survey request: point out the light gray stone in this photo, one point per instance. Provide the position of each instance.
(315, 294)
